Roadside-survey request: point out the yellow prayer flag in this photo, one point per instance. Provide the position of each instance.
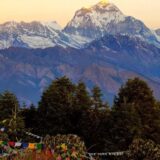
(64, 147)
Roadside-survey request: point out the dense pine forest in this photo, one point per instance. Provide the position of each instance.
(67, 108)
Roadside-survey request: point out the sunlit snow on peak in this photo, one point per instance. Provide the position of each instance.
(104, 1)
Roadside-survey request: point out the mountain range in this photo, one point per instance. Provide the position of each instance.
(100, 46)
(88, 24)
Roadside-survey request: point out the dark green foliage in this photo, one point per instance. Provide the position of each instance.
(124, 125)
(134, 114)
(8, 103)
(97, 97)
(10, 113)
(30, 118)
(144, 150)
(81, 103)
(136, 92)
(93, 126)
(55, 103)
(67, 108)
(82, 97)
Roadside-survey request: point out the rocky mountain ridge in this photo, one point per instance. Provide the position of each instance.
(107, 62)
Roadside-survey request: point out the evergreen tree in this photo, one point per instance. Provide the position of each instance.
(135, 92)
(10, 115)
(82, 97)
(97, 97)
(93, 129)
(30, 118)
(81, 104)
(8, 104)
(133, 112)
(55, 105)
(123, 126)
(155, 136)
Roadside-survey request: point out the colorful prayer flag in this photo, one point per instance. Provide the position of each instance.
(11, 144)
(31, 146)
(24, 145)
(39, 146)
(4, 143)
(18, 144)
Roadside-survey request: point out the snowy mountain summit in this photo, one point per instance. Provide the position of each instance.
(94, 21)
(106, 18)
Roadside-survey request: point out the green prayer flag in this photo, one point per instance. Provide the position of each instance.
(39, 146)
(4, 143)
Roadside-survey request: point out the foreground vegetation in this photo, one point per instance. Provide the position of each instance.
(59, 147)
(67, 108)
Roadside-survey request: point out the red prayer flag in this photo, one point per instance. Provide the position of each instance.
(11, 144)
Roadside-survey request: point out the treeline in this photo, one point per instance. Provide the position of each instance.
(67, 108)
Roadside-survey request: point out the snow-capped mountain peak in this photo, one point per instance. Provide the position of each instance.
(99, 15)
(93, 22)
(106, 18)
(30, 35)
